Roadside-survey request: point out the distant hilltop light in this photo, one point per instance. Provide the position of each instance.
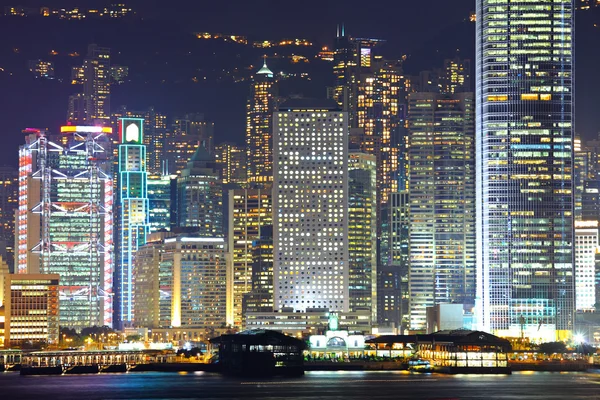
(473, 17)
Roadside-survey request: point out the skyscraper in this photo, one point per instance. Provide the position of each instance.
(159, 202)
(65, 219)
(525, 167)
(200, 195)
(133, 210)
(310, 203)
(232, 162)
(259, 127)
(249, 210)
(9, 201)
(96, 83)
(184, 137)
(442, 202)
(362, 232)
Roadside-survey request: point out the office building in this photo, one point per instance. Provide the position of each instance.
(455, 76)
(31, 309)
(159, 202)
(249, 211)
(442, 202)
(78, 110)
(259, 127)
(231, 160)
(184, 137)
(133, 209)
(362, 232)
(310, 203)
(155, 134)
(586, 248)
(200, 195)
(392, 272)
(9, 201)
(65, 219)
(260, 298)
(525, 238)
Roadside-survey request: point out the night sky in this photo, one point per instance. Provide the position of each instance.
(421, 28)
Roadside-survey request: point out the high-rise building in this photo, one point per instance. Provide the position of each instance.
(183, 283)
(455, 76)
(586, 248)
(260, 298)
(231, 160)
(65, 219)
(159, 202)
(31, 309)
(133, 211)
(392, 272)
(42, 69)
(362, 232)
(310, 206)
(442, 202)
(259, 127)
(200, 195)
(96, 84)
(78, 109)
(9, 201)
(197, 286)
(525, 238)
(155, 133)
(184, 137)
(249, 211)
(153, 303)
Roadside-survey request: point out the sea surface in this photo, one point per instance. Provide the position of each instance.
(314, 385)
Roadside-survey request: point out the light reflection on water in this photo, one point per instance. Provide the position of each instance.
(349, 385)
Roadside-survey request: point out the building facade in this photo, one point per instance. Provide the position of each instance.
(442, 202)
(159, 202)
(525, 129)
(31, 309)
(65, 219)
(586, 248)
(310, 203)
(362, 232)
(249, 211)
(231, 160)
(200, 195)
(134, 225)
(9, 200)
(259, 127)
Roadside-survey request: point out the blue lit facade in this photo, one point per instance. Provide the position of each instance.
(133, 209)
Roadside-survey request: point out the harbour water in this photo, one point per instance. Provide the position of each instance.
(314, 385)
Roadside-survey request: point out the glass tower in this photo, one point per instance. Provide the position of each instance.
(133, 209)
(524, 161)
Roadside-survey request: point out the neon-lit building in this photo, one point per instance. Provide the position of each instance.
(259, 127)
(133, 210)
(65, 219)
(525, 129)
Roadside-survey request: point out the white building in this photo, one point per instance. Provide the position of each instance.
(586, 245)
(310, 212)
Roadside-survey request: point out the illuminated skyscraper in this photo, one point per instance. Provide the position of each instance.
(155, 133)
(184, 137)
(200, 196)
(96, 84)
(310, 203)
(133, 210)
(232, 162)
(362, 231)
(524, 164)
(249, 211)
(259, 127)
(442, 202)
(65, 219)
(9, 201)
(159, 202)
(455, 76)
